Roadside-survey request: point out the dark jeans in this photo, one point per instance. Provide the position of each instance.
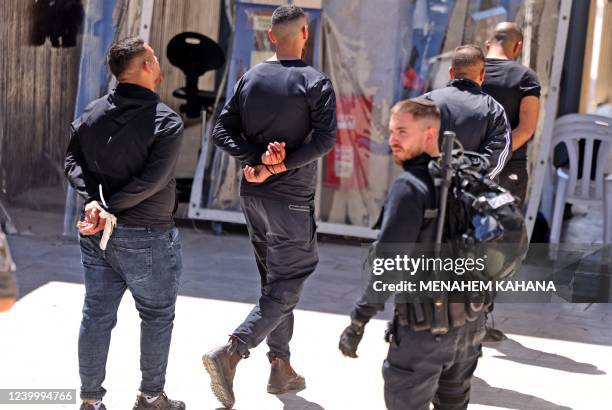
(514, 178)
(148, 263)
(285, 244)
(422, 369)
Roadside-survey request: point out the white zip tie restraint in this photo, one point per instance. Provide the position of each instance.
(111, 220)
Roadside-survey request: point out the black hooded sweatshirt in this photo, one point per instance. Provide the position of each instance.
(128, 143)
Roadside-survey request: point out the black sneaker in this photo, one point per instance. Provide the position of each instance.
(161, 403)
(283, 378)
(88, 406)
(218, 366)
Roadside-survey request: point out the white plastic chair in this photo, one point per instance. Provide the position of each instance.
(570, 130)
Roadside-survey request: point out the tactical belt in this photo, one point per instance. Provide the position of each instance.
(420, 316)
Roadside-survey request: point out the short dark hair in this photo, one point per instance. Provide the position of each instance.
(507, 33)
(286, 14)
(467, 57)
(122, 52)
(421, 108)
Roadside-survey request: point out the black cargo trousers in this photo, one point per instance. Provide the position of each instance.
(421, 368)
(283, 235)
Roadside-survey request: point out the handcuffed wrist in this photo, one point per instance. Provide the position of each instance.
(271, 171)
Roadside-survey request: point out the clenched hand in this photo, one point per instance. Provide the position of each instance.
(275, 154)
(92, 224)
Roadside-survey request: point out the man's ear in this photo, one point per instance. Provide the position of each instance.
(487, 45)
(147, 67)
(305, 32)
(271, 37)
(451, 73)
(431, 143)
(482, 75)
(432, 135)
(518, 47)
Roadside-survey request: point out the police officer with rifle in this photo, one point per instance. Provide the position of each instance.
(435, 340)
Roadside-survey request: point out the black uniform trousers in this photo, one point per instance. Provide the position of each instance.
(421, 368)
(283, 235)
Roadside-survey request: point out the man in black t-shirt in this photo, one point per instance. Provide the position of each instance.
(517, 89)
(279, 122)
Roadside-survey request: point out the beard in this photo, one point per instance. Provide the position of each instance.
(159, 79)
(400, 155)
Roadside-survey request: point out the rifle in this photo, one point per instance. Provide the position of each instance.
(439, 325)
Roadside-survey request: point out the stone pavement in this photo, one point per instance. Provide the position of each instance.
(559, 356)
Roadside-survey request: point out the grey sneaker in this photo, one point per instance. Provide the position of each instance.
(88, 406)
(161, 403)
(218, 365)
(283, 378)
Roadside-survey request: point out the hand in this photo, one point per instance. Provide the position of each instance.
(276, 168)
(350, 338)
(256, 174)
(275, 154)
(6, 304)
(93, 223)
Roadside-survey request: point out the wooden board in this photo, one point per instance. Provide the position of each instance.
(38, 87)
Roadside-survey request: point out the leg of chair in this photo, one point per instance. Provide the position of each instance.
(607, 203)
(557, 220)
(548, 193)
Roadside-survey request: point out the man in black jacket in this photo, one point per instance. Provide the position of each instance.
(279, 122)
(422, 367)
(478, 120)
(121, 160)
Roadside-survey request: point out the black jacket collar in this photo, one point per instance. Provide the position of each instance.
(129, 90)
(128, 100)
(417, 162)
(464, 84)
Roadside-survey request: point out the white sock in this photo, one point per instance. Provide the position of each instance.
(149, 399)
(97, 405)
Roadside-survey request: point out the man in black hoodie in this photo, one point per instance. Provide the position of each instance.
(121, 160)
(279, 122)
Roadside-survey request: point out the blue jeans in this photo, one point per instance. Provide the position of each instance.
(147, 262)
